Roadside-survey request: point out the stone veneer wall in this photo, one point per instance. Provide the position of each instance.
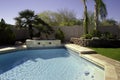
(42, 43)
(95, 43)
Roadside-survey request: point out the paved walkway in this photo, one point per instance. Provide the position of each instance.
(9, 48)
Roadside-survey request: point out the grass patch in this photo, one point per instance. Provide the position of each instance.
(113, 53)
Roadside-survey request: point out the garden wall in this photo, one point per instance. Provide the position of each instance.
(69, 32)
(78, 31)
(115, 30)
(20, 34)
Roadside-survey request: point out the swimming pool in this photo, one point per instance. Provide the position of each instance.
(48, 64)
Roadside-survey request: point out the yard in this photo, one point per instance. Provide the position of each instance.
(113, 53)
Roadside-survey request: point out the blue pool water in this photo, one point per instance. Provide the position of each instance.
(47, 64)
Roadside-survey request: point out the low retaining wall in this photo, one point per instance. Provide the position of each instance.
(95, 43)
(42, 43)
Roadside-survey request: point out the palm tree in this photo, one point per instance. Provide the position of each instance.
(85, 22)
(100, 9)
(42, 26)
(27, 18)
(91, 18)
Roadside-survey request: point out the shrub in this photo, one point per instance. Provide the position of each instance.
(99, 35)
(96, 33)
(10, 36)
(59, 35)
(6, 34)
(107, 35)
(87, 36)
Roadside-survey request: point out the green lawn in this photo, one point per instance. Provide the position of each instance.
(113, 53)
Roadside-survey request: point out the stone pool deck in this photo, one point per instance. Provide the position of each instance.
(115, 63)
(112, 67)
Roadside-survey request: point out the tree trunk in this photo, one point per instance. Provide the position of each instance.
(85, 23)
(30, 31)
(96, 17)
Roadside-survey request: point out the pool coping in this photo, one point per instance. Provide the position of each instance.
(12, 48)
(110, 73)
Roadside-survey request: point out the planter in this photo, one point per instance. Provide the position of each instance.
(95, 42)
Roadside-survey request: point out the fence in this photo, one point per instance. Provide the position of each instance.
(69, 31)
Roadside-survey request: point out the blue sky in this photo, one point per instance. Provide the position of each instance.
(9, 8)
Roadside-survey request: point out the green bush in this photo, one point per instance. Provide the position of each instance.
(60, 35)
(7, 37)
(87, 36)
(107, 35)
(96, 33)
